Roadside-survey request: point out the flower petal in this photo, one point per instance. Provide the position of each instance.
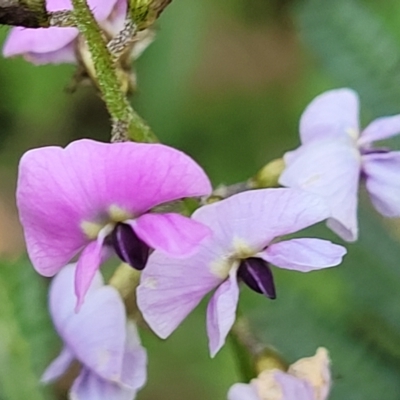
(170, 233)
(102, 9)
(294, 388)
(331, 115)
(243, 391)
(331, 170)
(316, 371)
(382, 171)
(96, 335)
(134, 368)
(89, 386)
(221, 312)
(304, 255)
(379, 129)
(250, 220)
(86, 268)
(171, 288)
(58, 366)
(59, 189)
(40, 41)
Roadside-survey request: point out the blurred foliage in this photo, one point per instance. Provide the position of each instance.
(277, 55)
(26, 333)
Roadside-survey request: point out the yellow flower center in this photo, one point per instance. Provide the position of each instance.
(115, 214)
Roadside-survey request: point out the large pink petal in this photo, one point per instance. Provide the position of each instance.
(379, 129)
(250, 220)
(89, 386)
(304, 255)
(171, 288)
(331, 115)
(58, 189)
(331, 170)
(58, 366)
(173, 234)
(221, 312)
(243, 391)
(382, 172)
(97, 334)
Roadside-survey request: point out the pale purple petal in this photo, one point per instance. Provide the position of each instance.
(243, 391)
(221, 312)
(39, 45)
(59, 189)
(331, 170)
(331, 115)
(89, 386)
(96, 335)
(172, 234)
(382, 174)
(171, 288)
(87, 266)
(294, 388)
(258, 216)
(379, 129)
(52, 45)
(100, 8)
(134, 367)
(304, 255)
(58, 366)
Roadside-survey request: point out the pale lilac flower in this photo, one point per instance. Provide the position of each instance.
(245, 228)
(58, 45)
(113, 363)
(307, 379)
(92, 197)
(335, 154)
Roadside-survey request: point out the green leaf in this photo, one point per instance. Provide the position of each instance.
(28, 339)
(356, 49)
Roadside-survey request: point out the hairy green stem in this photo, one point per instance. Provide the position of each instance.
(106, 75)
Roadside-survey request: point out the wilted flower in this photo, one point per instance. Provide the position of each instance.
(113, 363)
(335, 155)
(59, 45)
(92, 197)
(306, 379)
(245, 228)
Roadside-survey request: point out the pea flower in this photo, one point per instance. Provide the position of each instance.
(245, 229)
(307, 379)
(113, 363)
(335, 155)
(92, 197)
(58, 45)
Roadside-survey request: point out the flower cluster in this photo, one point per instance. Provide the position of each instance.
(89, 201)
(94, 199)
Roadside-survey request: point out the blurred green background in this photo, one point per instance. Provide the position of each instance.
(225, 81)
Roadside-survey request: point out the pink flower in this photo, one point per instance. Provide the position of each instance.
(99, 337)
(307, 379)
(245, 228)
(92, 197)
(58, 45)
(335, 155)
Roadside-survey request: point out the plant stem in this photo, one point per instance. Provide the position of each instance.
(108, 82)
